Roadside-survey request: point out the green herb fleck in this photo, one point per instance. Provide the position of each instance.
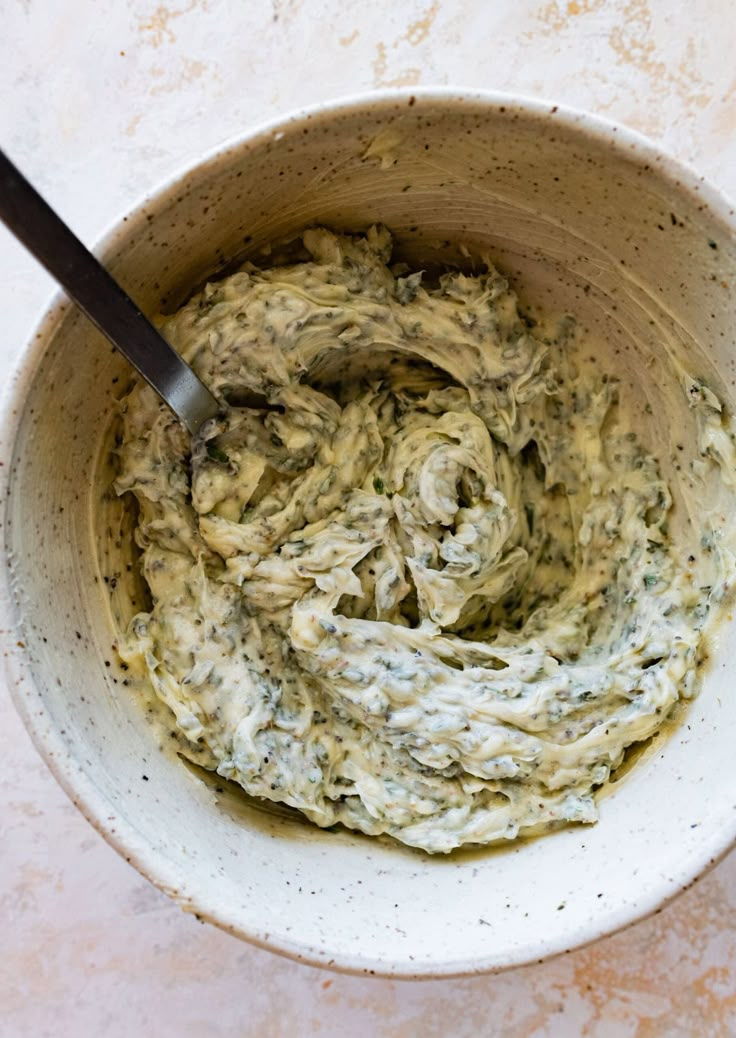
(217, 455)
(529, 510)
(650, 579)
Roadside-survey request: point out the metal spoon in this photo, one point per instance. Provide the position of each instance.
(101, 298)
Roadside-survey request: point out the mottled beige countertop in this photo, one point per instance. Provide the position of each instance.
(102, 99)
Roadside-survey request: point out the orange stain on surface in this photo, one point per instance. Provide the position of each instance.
(635, 44)
(556, 17)
(187, 72)
(158, 25)
(420, 29)
(407, 77)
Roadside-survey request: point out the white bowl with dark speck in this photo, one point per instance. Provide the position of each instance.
(582, 215)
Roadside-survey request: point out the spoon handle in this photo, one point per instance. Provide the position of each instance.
(58, 249)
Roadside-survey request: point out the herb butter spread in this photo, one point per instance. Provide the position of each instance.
(419, 578)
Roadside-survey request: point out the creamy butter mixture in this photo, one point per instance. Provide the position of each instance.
(419, 579)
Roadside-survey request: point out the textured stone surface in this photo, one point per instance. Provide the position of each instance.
(102, 101)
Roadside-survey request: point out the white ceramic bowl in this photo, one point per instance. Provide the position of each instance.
(581, 214)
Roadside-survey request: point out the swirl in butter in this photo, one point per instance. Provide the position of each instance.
(419, 578)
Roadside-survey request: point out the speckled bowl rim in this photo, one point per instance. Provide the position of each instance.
(83, 792)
